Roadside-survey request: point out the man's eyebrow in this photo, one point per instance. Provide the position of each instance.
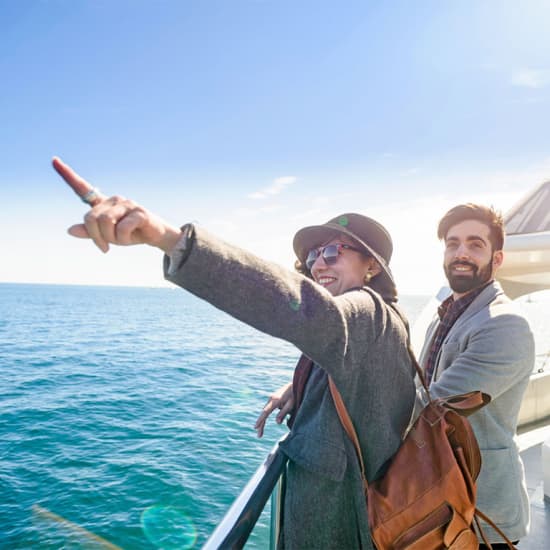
(469, 238)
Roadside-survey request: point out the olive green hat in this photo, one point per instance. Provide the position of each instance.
(370, 236)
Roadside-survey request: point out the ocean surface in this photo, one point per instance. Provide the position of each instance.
(126, 414)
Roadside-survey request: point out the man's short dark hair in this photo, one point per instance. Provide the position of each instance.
(485, 214)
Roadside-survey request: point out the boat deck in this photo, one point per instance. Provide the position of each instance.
(531, 445)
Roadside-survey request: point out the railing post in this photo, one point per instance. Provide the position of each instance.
(277, 499)
(234, 529)
(546, 469)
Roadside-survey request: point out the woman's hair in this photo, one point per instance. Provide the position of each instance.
(484, 214)
(301, 268)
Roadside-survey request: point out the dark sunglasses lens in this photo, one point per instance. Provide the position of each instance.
(330, 254)
(311, 257)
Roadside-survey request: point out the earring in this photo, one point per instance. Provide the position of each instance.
(368, 277)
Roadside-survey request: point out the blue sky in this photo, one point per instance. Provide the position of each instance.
(255, 118)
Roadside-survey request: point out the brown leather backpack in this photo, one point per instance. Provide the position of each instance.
(426, 500)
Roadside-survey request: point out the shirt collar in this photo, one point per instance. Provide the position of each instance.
(450, 305)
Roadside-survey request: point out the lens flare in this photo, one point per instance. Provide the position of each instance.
(168, 528)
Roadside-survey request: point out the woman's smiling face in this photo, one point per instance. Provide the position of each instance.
(348, 272)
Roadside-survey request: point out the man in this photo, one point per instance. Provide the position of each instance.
(340, 313)
(481, 342)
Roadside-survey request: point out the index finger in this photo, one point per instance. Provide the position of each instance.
(77, 183)
(264, 415)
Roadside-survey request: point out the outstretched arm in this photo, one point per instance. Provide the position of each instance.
(278, 302)
(116, 220)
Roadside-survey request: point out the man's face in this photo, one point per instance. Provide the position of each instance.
(469, 260)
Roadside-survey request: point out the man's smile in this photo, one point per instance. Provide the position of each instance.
(463, 267)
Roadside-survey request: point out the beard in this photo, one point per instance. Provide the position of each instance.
(469, 281)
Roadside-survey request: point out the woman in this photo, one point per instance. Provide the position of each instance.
(339, 312)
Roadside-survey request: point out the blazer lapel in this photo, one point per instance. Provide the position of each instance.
(487, 295)
(485, 298)
(430, 333)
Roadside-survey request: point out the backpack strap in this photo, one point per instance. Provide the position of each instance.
(342, 411)
(348, 425)
(466, 404)
(412, 355)
(479, 514)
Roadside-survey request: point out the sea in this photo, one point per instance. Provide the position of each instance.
(127, 414)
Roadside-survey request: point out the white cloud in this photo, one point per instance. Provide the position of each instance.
(531, 78)
(278, 185)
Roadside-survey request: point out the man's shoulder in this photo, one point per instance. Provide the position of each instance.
(501, 304)
(494, 310)
(493, 299)
(502, 319)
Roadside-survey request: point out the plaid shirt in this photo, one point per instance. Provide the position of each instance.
(449, 311)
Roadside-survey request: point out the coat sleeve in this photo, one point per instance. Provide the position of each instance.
(492, 358)
(275, 300)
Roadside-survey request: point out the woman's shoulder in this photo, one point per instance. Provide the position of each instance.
(365, 306)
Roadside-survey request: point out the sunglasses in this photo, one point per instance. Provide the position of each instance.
(329, 253)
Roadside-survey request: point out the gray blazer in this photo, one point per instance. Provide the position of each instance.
(491, 348)
(359, 341)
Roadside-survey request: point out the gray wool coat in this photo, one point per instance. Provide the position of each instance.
(491, 348)
(356, 338)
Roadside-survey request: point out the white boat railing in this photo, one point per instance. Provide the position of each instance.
(237, 524)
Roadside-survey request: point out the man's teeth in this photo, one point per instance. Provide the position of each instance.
(462, 268)
(325, 280)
